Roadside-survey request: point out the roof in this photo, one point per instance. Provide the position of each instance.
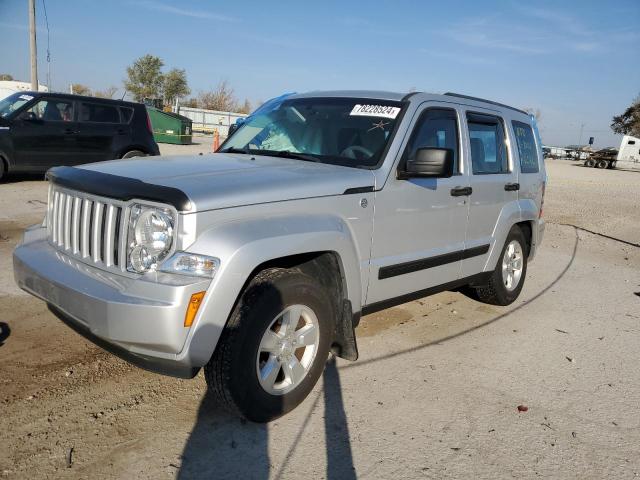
(76, 97)
(373, 94)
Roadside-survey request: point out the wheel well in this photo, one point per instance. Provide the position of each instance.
(326, 267)
(527, 231)
(133, 149)
(323, 266)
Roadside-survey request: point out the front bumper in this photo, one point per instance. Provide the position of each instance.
(138, 319)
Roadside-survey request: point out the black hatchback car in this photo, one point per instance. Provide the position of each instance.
(40, 130)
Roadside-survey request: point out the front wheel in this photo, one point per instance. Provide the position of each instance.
(274, 347)
(589, 162)
(603, 164)
(507, 279)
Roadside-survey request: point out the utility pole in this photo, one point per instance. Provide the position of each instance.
(32, 45)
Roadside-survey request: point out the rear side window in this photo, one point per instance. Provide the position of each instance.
(436, 127)
(100, 113)
(527, 150)
(126, 113)
(488, 152)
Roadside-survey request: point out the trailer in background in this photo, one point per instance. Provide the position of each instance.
(627, 156)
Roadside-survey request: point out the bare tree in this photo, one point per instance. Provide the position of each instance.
(108, 92)
(80, 89)
(6, 76)
(537, 114)
(222, 98)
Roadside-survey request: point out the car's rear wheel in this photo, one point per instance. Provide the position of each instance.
(612, 165)
(602, 164)
(274, 347)
(507, 279)
(134, 153)
(589, 162)
(2, 169)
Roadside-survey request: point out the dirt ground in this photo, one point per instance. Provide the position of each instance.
(434, 393)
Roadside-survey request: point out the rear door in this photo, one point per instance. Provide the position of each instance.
(99, 126)
(494, 183)
(45, 135)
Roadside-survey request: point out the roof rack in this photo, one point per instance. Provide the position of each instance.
(452, 94)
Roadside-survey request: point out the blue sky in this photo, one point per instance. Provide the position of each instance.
(576, 61)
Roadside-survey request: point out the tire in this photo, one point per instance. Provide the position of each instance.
(134, 153)
(612, 165)
(602, 164)
(232, 374)
(590, 162)
(495, 291)
(2, 169)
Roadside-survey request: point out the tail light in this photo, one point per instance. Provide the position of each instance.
(544, 187)
(149, 127)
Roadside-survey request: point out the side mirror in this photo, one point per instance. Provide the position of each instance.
(430, 162)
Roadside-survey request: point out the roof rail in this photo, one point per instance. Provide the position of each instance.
(452, 94)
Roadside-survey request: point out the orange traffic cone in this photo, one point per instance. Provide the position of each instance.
(216, 140)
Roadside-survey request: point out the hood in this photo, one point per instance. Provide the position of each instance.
(214, 181)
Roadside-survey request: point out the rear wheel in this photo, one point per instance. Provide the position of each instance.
(590, 162)
(507, 279)
(612, 165)
(602, 164)
(2, 169)
(134, 153)
(274, 346)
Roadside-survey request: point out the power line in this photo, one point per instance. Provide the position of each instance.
(46, 19)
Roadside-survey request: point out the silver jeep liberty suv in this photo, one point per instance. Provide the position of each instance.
(257, 261)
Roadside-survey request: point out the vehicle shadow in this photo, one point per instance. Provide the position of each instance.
(222, 446)
(5, 331)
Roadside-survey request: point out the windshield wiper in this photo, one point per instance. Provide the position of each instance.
(244, 150)
(297, 156)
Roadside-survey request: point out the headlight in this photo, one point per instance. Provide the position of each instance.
(191, 264)
(150, 237)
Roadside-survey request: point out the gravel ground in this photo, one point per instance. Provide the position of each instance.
(434, 394)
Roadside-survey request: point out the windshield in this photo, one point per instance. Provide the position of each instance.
(344, 131)
(13, 103)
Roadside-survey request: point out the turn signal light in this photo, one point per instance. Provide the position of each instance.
(192, 308)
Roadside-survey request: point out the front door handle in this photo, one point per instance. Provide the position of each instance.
(512, 187)
(70, 131)
(461, 191)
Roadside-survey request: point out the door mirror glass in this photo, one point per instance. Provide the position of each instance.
(431, 162)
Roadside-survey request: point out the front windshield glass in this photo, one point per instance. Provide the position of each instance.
(13, 103)
(344, 131)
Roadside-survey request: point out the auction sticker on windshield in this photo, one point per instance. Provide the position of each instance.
(375, 111)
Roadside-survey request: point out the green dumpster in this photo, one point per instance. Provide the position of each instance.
(170, 127)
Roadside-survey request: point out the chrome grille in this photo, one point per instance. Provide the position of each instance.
(87, 227)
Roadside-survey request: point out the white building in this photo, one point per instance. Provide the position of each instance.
(7, 87)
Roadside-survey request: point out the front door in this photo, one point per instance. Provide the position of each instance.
(420, 223)
(45, 135)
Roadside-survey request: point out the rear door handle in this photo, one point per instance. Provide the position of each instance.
(70, 131)
(461, 191)
(512, 187)
(121, 131)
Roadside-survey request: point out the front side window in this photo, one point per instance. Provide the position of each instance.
(527, 150)
(100, 113)
(50, 110)
(13, 102)
(438, 128)
(488, 150)
(342, 131)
